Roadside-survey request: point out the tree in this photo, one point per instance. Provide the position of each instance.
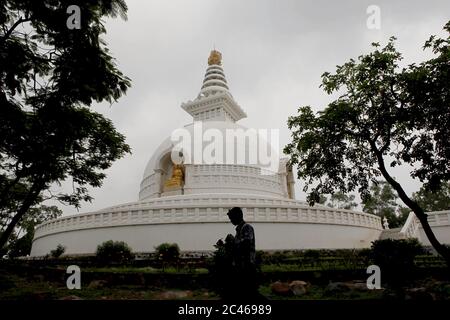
(382, 201)
(37, 215)
(220, 266)
(434, 200)
(21, 246)
(19, 243)
(58, 251)
(342, 201)
(49, 77)
(168, 252)
(384, 117)
(114, 252)
(322, 199)
(396, 259)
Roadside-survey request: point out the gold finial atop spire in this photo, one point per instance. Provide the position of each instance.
(215, 57)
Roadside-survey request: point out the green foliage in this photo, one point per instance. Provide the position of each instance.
(311, 259)
(168, 252)
(223, 256)
(341, 200)
(396, 258)
(114, 252)
(222, 266)
(58, 252)
(312, 254)
(402, 214)
(382, 201)
(49, 77)
(384, 117)
(434, 200)
(322, 199)
(20, 244)
(378, 114)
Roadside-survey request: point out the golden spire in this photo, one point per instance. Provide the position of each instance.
(215, 57)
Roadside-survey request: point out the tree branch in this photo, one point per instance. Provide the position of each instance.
(26, 204)
(418, 211)
(4, 192)
(387, 143)
(13, 27)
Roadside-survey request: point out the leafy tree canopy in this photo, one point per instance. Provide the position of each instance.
(49, 77)
(382, 201)
(341, 200)
(434, 200)
(385, 116)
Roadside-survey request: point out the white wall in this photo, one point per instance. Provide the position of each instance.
(442, 233)
(202, 236)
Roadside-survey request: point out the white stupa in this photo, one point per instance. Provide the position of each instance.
(186, 203)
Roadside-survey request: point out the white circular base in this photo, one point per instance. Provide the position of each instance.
(196, 222)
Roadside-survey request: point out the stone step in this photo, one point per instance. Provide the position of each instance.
(391, 234)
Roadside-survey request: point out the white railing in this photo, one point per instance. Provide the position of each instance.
(435, 218)
(211, 208)
(411, 227)
(439, 218)
(205, 178)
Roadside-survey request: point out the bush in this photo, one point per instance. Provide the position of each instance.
(221, 268)
(365, 255)
(168, 252)
(396, 258)
(56, 253)
(114, 252)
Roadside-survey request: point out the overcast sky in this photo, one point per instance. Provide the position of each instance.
(274, 53)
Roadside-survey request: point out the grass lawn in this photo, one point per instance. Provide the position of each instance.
(13, 287)
(146, 283)
(19, 288)
(319, 293)
(146, 270)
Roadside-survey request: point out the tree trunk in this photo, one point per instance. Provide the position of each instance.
(418, 211)
(27, 203)
(4, 193)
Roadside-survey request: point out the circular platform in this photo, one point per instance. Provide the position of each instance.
(196, 222)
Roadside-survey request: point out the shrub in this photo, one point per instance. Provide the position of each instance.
(168, 252)
(312, 255)
(221, 268)
(114, 252)
(396, 258)
(56, 253)
(365, 255)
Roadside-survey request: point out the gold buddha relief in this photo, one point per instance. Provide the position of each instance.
(177, 179)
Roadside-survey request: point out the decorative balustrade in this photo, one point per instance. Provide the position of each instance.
(436, 218)
(439, 218)
(231, 177)
(208, 209)
(411, 227)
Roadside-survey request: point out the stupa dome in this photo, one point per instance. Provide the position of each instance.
(235, 167)
(196, 175)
